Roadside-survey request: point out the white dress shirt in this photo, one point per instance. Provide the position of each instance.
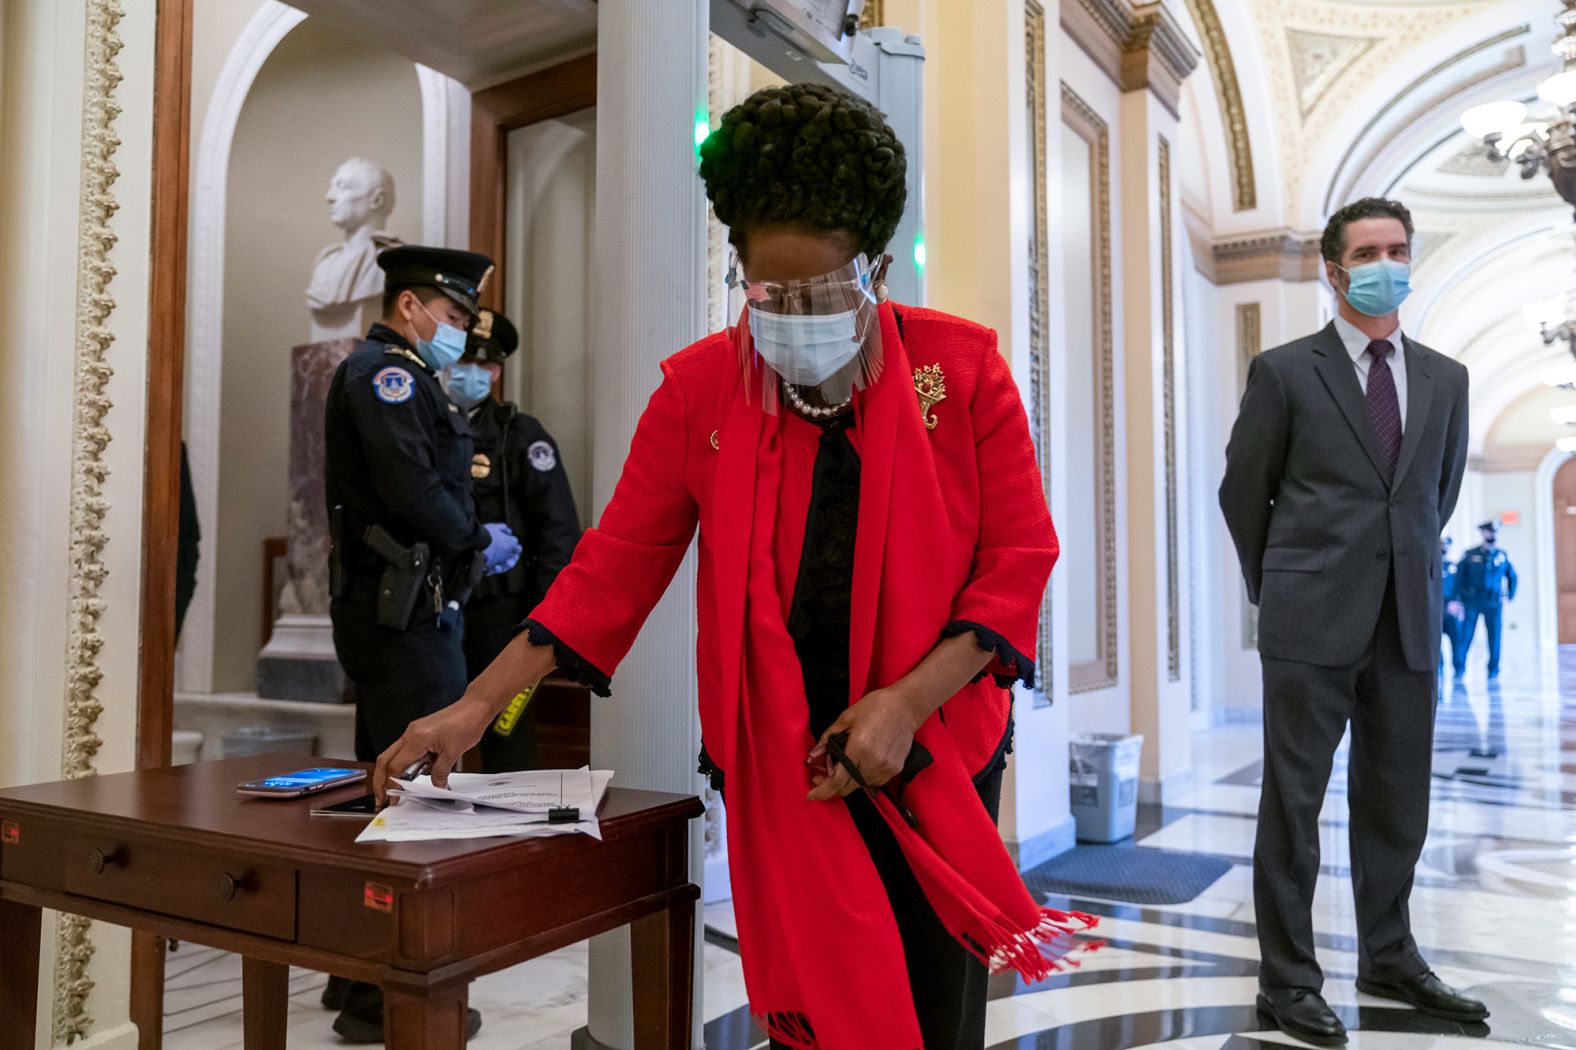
(1356, 342)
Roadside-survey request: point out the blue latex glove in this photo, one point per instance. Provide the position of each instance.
(503, 553)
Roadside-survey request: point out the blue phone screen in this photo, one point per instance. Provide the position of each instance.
(306, 777)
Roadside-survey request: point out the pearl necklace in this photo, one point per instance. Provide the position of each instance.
(813, 411)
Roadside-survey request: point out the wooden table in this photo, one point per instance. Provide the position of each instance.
(177, 853)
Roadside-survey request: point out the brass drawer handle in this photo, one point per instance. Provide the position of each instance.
(98, 860)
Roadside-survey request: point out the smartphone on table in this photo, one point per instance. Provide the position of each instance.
(363, 808)
(301, 782)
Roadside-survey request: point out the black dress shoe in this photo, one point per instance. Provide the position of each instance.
(1303, 1014)
(360, 1019)
(1429, 994)
(333, 997)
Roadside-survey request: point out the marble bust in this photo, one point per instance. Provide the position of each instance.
(344, 294)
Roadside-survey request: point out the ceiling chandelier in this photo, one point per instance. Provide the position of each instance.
(1548, 140)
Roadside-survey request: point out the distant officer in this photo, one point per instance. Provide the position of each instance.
(1453, 609)
(408, 546)
(519, 479)
(1485, 580)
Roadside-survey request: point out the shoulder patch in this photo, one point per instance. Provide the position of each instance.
(542, 456)
(393, 385)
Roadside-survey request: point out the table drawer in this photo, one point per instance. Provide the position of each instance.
(191, 883)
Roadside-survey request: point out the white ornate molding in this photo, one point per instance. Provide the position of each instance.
(1233, 115)
(90, 436)
(1043, 426)
(445, 159)
(1138, 46)
(210, 175)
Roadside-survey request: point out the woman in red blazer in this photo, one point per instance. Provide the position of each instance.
(874, 546)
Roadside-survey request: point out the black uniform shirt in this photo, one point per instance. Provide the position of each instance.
(398, 450)
(519, 478)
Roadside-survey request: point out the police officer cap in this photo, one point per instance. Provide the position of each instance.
(492, 338)
(459, 275)
(1489, 526)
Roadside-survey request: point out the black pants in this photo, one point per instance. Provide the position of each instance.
(1306, 708)
(948, 984)
(490, 625)
(399, 675)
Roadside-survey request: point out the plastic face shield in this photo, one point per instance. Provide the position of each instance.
(846, 296)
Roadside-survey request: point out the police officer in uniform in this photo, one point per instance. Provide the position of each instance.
(1450, 626)
(1485, 580)
(407, 544)
(519, 479)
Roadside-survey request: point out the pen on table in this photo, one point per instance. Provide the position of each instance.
(416, 769)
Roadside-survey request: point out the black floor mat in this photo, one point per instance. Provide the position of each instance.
(1137, 874)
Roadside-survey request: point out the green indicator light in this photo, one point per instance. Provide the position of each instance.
(702, 129)
(919, 251)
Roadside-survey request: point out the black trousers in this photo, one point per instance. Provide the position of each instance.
(399, 675)
(490, 625)
(948, 984)
(1306, 710)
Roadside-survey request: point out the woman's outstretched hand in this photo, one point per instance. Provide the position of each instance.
(445, 734)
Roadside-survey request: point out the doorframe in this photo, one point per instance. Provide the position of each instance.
(555, 91)
(1548, 596)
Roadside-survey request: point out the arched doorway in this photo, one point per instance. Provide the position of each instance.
(1565, 548)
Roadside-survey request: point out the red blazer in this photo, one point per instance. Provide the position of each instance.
(990, 482)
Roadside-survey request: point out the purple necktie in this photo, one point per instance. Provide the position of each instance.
(1384, 408)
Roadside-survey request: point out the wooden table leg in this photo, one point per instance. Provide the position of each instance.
(147, 988)
(19, 976)
(265, 1003)
(416, 1018)
(662, 947)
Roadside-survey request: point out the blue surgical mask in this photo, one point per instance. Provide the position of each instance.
(1378, 288)
(806, 349)
(446, 346)
(469, 384)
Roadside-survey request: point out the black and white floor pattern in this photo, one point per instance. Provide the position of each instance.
(1494, 908)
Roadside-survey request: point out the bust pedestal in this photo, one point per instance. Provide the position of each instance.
(298, 663)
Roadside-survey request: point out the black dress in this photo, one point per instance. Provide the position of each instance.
(948, 984)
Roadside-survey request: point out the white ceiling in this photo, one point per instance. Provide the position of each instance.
(477, 42)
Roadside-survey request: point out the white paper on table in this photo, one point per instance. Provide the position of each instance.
(438, 815)
(529, 791)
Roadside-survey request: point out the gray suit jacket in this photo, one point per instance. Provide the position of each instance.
(1317, 529)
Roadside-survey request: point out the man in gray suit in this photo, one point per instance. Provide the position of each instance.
(1345, 460)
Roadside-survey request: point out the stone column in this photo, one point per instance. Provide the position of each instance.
(650, 265)
(1156, 57)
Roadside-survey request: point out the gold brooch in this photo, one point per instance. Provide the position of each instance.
(714, 442)
(931, 386)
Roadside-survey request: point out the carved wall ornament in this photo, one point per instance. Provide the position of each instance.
(1103, 672)
(873, 15)
(1039, 303)
(1138, 47)
(1275, 255)
(1319, 59)
(1168, 388)
(1233, 116)
(90, 436)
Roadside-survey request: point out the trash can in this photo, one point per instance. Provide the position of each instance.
(260, 740)
(1103, 782)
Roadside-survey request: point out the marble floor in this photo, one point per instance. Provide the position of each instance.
(1494, 909)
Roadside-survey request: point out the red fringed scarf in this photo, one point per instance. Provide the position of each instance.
(823, 962)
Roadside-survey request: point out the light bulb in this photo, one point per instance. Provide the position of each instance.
(1566, 444)
(1559, 89)
(1492, 118)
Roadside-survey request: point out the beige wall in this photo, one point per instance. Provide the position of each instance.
(320, 98)
(41, 130)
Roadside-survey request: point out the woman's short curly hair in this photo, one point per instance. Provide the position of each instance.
(807, 155)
